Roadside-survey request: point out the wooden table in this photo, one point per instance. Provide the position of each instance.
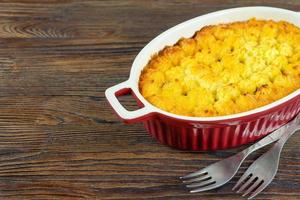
(60, 139)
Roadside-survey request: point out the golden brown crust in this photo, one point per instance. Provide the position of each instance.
(225, 69)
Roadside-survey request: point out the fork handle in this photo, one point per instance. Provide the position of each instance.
(286, 136)
(276, 135)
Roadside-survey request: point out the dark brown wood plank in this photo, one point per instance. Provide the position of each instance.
(60, 139)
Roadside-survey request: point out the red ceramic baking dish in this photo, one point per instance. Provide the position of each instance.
(204, 133)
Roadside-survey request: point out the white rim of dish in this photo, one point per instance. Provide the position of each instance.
(133, 79)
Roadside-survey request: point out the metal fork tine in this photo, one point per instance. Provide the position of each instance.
(252, 187)
(203, 183)
(209, 187)
(258, 190)
(201, 178)
(194, 174)
(246, 184)
(241, 180)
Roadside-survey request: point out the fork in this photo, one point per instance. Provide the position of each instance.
(223, 171)
(261, 172)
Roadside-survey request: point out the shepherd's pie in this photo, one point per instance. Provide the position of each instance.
(225, 69)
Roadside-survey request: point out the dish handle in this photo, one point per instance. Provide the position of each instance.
(127, 116)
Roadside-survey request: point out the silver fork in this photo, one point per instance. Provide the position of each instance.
(261, 172)
(223, 171)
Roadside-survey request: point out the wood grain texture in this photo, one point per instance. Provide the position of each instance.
(59, 138)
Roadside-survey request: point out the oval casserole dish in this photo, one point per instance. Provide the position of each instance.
(205, 133)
